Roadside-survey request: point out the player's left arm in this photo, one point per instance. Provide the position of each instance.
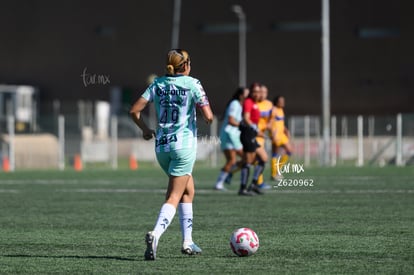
(207, 114)
(203, 103)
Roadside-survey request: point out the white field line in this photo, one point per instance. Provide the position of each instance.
(62, 182)
(9, 191)
(349, 191)
(105, 190)
(341, 179)
(277, 191)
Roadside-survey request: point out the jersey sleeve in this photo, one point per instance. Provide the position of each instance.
(247, 106)
(148, 94)
(234, 109)
(201, 99)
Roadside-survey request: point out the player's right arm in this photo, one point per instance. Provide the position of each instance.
(135, 113)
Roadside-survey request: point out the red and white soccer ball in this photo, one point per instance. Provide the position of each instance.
(244, 242)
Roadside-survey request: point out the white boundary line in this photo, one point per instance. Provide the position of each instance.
(9, 191)
(362, 179)
(275, 191)
(63, 182)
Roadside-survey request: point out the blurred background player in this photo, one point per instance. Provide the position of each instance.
(251, 149)
(230, 135)
(281, 148)
(175, 96)
(264, 125)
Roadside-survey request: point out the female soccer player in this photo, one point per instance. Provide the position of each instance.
(264, 126)
(230, 134)
(251, 149)
(175, 96)
(281, 148)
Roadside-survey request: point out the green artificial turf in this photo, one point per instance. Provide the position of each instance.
(352, 220)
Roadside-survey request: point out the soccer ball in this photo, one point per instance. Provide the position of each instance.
(244, 242)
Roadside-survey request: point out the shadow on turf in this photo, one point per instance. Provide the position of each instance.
(71, 257)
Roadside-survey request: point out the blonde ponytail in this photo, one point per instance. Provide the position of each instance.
(176, 59)
(170, 69)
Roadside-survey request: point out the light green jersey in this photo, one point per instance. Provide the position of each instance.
(175, 99)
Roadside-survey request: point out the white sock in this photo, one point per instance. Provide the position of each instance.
(165, 217)
(185, 211)
(222, 177)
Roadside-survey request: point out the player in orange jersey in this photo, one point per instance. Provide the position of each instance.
(265, 107)
(281, 147)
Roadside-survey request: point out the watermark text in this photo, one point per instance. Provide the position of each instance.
(94, 79)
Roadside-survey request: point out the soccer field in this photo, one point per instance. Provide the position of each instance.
(352, 220)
